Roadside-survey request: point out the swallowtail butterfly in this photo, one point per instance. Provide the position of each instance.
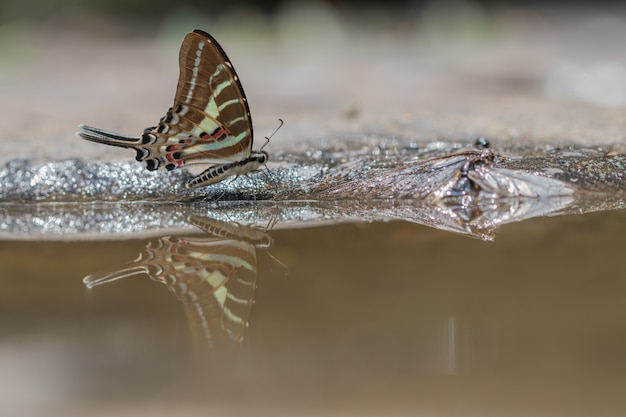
(208, 123)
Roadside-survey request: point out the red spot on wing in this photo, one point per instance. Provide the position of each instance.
(224, 132)
(217, 134)
(226, 270)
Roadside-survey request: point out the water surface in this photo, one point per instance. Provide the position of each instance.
(348, 319)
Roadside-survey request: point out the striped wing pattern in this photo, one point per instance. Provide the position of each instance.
(210, 118)
(216, 282)
(209, 121)
(214, 278)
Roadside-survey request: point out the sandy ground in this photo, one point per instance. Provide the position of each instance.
(515, 77)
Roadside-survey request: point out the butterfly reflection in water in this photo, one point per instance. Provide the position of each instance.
(214, 277)
(209, 122)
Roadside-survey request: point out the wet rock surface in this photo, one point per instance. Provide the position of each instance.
(449, 186)
(437, 169)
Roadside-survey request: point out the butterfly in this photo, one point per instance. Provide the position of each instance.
(209, 122)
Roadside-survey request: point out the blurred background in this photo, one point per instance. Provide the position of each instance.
(371, 318)
(419, 70)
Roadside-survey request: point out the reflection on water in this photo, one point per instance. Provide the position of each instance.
(382, 318)
(478, 219)
(214, 277)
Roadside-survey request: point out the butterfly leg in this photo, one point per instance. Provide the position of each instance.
(222, 194)
(229, 183)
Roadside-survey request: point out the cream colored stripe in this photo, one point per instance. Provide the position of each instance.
(225, 104)
(217, 91)
(194, 72)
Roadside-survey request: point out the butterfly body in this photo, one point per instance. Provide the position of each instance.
(218, 173)
(209, 122)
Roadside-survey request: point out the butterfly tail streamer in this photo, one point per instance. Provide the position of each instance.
(100, 278)
(97, 135)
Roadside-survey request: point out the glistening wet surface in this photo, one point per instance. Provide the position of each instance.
(361, 318)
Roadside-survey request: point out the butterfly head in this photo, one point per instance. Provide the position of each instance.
(261, 157)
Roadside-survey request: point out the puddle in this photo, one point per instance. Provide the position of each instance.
(349, 318)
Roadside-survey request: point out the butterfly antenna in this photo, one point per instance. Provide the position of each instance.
(279, 262)
(270, 225)
(267, 138)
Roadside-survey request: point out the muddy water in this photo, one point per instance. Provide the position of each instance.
(352, 319)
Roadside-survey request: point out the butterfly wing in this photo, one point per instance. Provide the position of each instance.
(209, 121)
